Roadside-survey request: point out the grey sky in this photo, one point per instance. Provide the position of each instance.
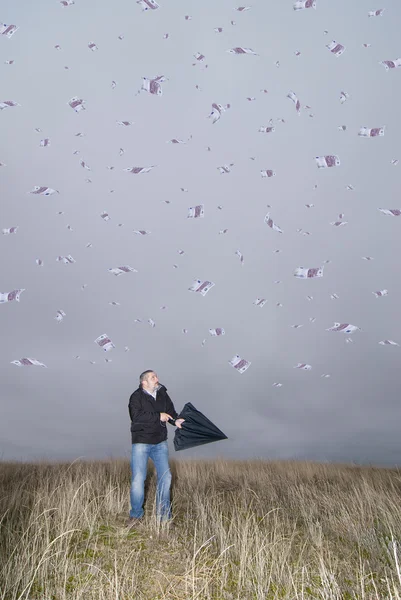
(75, 408)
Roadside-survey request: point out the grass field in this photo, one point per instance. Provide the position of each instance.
(251, 530)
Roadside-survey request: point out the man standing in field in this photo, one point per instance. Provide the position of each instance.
(150, 407)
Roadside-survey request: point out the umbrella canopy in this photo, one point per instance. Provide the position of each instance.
(196, 429)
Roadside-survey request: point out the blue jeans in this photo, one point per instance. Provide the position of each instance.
(139, 462)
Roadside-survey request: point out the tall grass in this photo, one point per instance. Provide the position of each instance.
(251, 530)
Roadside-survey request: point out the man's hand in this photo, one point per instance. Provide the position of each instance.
(164, 417)
(179, 422)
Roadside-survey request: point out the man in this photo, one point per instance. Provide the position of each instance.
(150, 407)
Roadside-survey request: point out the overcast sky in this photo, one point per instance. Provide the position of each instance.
(77, 406)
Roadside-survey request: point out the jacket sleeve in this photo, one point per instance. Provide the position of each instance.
(138, 415)
(170, 410)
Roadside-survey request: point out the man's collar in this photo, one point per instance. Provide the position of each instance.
(154, 391)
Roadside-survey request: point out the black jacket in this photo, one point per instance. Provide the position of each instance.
(144, 410)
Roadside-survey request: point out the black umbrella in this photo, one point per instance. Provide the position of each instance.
(196, 429)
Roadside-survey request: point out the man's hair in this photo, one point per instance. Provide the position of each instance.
(143, 376)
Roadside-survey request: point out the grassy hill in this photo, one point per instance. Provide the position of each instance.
(251, 530)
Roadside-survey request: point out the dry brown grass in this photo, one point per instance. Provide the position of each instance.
(253, 530)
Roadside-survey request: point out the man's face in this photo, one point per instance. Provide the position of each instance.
(152, 381)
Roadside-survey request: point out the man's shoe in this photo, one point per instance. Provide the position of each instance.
(133, 522)
(169, 523)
